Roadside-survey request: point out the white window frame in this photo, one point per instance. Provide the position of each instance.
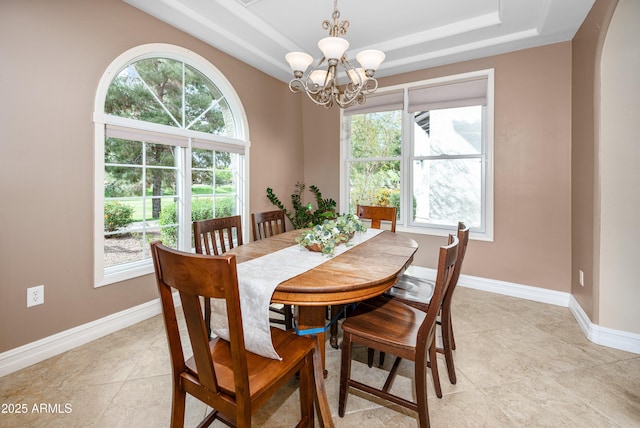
(485, 233)
(240, 144)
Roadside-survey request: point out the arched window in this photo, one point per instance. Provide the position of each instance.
(171, 147)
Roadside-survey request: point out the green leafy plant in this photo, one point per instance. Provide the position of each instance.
(326, 236)
(304, 215)
(117, 215)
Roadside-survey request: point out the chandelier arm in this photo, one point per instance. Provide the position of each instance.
(370, 85)
(351, 72)
(311, 86)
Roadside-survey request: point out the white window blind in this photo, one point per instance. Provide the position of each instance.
(459, 94)
(115, 131)
(386, 101)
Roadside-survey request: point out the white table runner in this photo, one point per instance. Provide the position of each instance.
(258, 279)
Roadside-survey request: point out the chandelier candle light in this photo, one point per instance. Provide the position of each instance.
(321, 84)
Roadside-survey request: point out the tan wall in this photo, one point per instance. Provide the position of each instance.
(532, 244)
(585, 202)
(53, 55)
(620, 171)
(50, 74)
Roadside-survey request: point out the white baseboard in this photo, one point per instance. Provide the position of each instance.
(35, 352)
(512, 289)
(604, 336)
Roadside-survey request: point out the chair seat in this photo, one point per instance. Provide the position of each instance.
(413, 290)
(262, 370)
(387, 322)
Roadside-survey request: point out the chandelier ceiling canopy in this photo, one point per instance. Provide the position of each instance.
(321, 83)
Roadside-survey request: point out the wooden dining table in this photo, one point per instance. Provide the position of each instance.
(366, 270)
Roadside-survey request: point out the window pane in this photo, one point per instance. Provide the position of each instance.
(454, 131)
(202, 182)
(375, 135)
(374, 183)
(205, 108)
(447, 191)
(168, 222)
(122, 151)
(129, 231)
(160, 154)
(122, 181)
(161, 182)
(214, 184)
(170, 92)
(201, 158)
(122, 248)
(146, 90)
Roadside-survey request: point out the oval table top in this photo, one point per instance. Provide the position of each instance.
(365, 271)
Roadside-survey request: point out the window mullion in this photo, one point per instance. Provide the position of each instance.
(406, 168)
(143, 197)
(184, 198)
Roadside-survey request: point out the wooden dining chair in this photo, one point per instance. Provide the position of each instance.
(418, 292)
(235, 383)
(377, 215)
(391, 326)
(215, 236)
(265, 225)
(268, 223)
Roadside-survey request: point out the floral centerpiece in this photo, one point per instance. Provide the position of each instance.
(324, 237)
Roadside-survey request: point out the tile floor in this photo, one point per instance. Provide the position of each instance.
(519, 363)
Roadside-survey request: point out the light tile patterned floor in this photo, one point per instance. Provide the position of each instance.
(519, 363)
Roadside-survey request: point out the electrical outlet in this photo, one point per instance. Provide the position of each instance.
(35, 296)
(581, 277)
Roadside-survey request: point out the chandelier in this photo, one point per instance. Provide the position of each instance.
(321, 82)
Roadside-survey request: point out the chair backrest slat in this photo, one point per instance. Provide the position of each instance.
(267, 224)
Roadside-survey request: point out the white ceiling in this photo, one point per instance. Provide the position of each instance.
(414, 34)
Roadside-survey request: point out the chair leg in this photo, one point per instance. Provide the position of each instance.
(307, 391)
(320, 396)
(288, 317)
(421, 394)
(448, 346)
(433, 363)
(370, 354)
(345, 373)
(333, 330)
(453, 340)
(392, 375)
(178, 406)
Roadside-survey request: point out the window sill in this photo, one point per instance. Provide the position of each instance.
(125, 272)
(477, 236)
